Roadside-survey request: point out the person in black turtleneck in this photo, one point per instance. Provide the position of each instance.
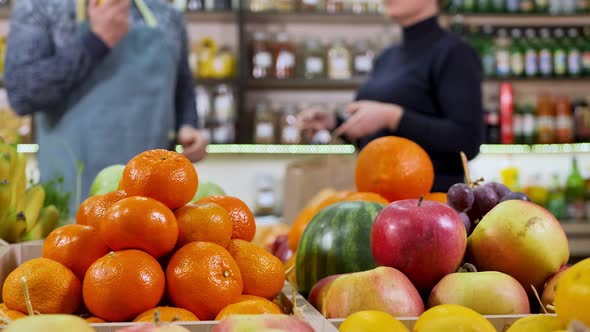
(426, 89)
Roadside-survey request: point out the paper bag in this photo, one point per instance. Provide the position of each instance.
(305, 178)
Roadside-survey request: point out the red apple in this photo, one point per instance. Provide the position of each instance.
(426, 241)
(319, 291)
(262, 323)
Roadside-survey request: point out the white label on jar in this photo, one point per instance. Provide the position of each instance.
(223, 107)
(363, 64)
(314, 65)
(517, 63)
(290, 135)
(560, 59)
(285, 59)
(266, 199)
(528, 124)
(223, 134)
(264, 130)
(545, 62)
(340, 67)
(517, 124)
(563, 122)
(310, 2)
(531, 63)
(574, 62)
(503, 63)
(263, 60)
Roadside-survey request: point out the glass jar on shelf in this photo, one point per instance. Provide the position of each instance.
(310, 5)
(359, 6)
(284, 57)
(290, 133)
(363, 58)
(195, 5)
(264, 127)
(262, 59)
(266, 198)
(313, 59)
(339, 60)
(286, 6)
(335, 6)
(225, 115)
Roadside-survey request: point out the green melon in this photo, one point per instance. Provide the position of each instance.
(336, 241)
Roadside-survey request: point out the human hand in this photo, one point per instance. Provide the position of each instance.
(312, 121)
(368, 117)
(109, 20)
(193, 142)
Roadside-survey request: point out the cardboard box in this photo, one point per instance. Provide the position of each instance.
(14, 255)
(305, 178)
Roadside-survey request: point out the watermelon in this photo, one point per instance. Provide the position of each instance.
(336, 241)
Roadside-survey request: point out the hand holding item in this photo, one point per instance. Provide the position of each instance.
(193, 142)
(368, 117)
(109, 20)
(312, 121)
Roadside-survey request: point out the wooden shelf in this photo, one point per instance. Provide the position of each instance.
(214, 81)
(537, 80)
(519, 19)
(303, 84)
(536, 148)
(578, 235)
(209, 17)
(315, 17)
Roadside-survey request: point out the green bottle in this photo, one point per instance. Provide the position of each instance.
(574, 53)
(468, 6)
(560, 53)
(542, 6)
(488, 55)
(531, 54)
(556, 199)
(586, 51)
(575, 190)
(484, 6)
(516, 54)
(529, 125)
(546, 53)
(499, 6)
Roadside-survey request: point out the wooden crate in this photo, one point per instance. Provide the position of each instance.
(14, 255)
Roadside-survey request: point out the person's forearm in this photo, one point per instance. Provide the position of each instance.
(42, 84)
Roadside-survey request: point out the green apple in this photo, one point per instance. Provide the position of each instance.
(207, 189)
(49, 323)
(107, 180)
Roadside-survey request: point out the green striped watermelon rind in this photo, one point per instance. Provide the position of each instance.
(350, 251)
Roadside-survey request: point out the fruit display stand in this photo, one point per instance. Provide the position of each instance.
(11, 256)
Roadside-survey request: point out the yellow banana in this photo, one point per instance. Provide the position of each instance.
(8, 153)
(4, 166)
(19, 182)
(34, 199)
(48, 219)
(16, 225)
(5, 192)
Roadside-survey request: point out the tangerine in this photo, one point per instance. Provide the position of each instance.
(395, 168)
(367, 197)
(203, 278)
(94, 320)
(263, 274)
(93, 209)
(53, 288)
(75, 246)
(207, 222)
(166, 315)
(140, 223)
(166, 176)
(249, 307)
(123, 284)
(244, 225)
(437, 197)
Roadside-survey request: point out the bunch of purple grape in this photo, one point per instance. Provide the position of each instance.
(472, 204)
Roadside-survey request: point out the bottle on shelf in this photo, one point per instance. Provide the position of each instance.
(528, 124)
(225, 115)
(492, 121)
(512, 6)
(527, 6)
(260, 5)
(545, 120)
(284, 57)
(564, 124)
(574, 53)
(290, 133)
(339, 61)
(541, 6)
(506, 113)
(517, 65)
(582, 6)
(310, 5)
(556, 199)
(575, 190)
(502, 49)
(484, 6)
(517, 125)
(531, 54)
(264, 128)
(262, 60)
(314, 62)
(284, 6)
(195, 5)
(363, 57)
(582, 121)
(560, 44)
(359, 7)
(334, 6)
(488, 54)
(555, 7)
(568, 7)
(546, 53)
(456, 6)
(586, 51)
(469, 6)
(498, 6)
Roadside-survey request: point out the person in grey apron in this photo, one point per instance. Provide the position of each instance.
(123, 107)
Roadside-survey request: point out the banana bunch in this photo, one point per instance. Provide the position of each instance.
(22, 214)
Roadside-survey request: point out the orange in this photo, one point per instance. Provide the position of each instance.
(203, 278)
(53, 288)
(167, 314)
(245, 297)
(244, 225)
(140, 223)
(249, 307)
(163, 175)
(75, 246)
(437, 197)
(123, 284)
(263, 274)
(324, 199)
(10, 314)
(367, 197)
(395, 168)
(93, 209)
(94, 320)
(204, 222)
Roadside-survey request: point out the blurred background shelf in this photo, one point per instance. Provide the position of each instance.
(211, 16)
(519, 20)
(304, 84)
(578, 234)
(535, 148)
(315, 17)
